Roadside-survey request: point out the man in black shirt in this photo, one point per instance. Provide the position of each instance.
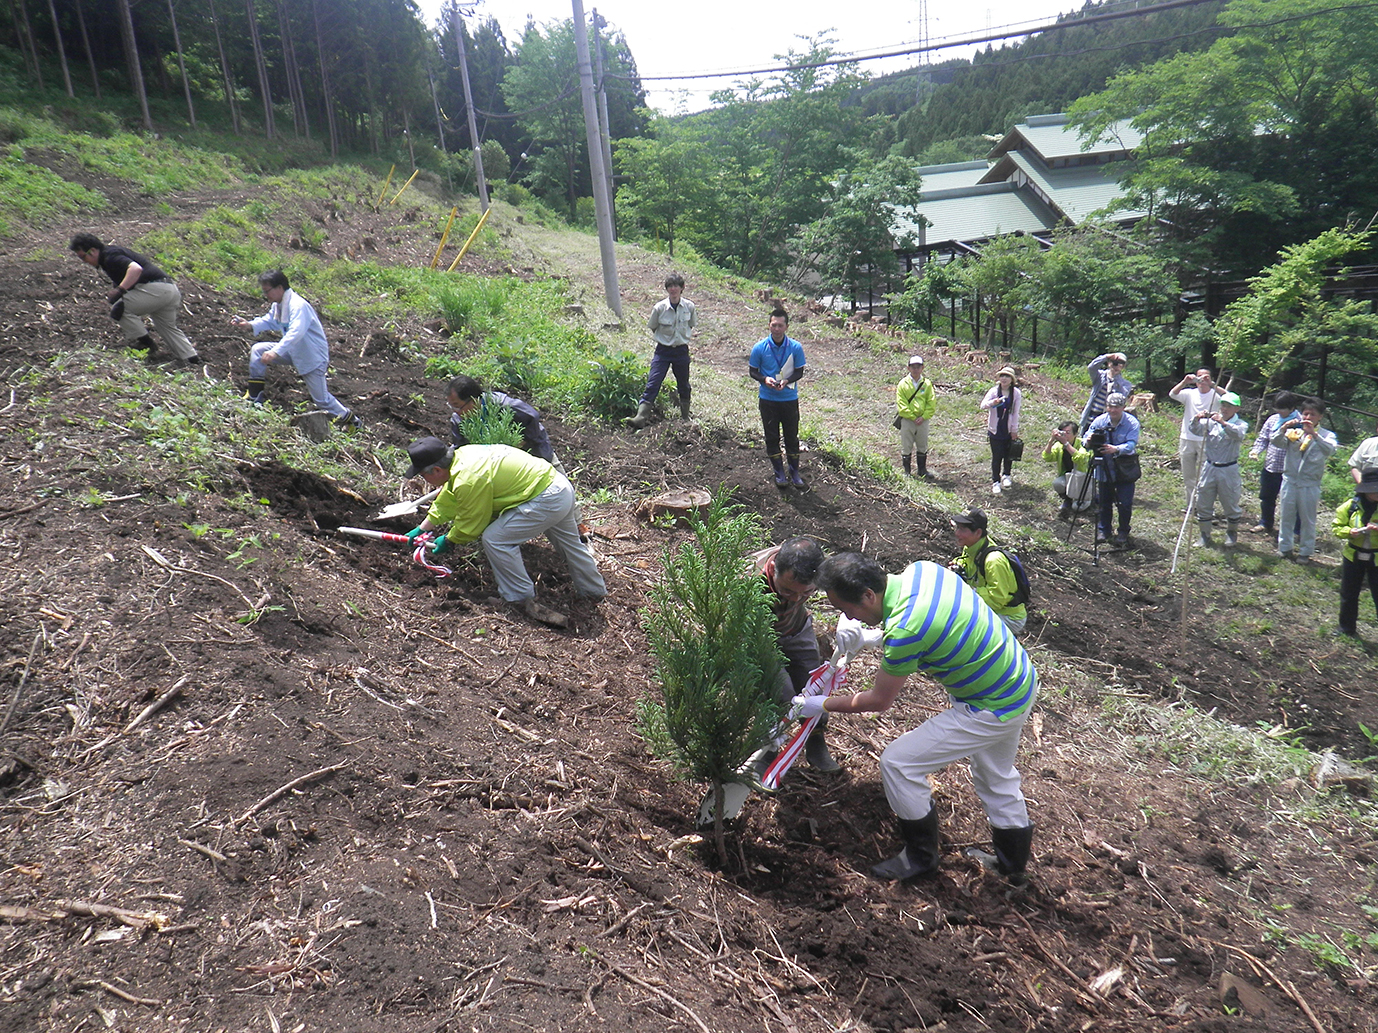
(140, 289)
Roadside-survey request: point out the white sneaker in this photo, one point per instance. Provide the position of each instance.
(1007, 481)
(995, 488)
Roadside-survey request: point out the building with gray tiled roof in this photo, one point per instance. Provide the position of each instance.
(1038, 177)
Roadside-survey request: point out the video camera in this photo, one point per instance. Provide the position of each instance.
(1097, 440)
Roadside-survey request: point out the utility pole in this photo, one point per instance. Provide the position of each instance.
(469, 109)
(604, 132)
(602, 200)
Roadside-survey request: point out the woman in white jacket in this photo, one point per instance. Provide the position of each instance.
(1002, 427)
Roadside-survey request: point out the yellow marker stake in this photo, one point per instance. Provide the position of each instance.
(444, 237)
(465, 249)
(404, 186)
(384, 192)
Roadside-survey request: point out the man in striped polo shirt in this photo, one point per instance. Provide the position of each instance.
(934, 622)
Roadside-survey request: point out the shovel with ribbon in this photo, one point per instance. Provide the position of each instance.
(852, 637)
(423, 544)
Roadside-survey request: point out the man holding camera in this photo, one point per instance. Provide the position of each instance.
(1198, 394)
(1309, 448)
(1107, 378)
(1222, 433)
(1114, 440)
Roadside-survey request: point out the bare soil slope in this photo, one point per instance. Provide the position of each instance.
(377, 802)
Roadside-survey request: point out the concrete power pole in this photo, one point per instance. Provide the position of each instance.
(604, 132)
(602, 200)
(469, 110)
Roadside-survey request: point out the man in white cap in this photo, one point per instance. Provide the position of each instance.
(1114, 438)
(1222, 434)
(915, 403)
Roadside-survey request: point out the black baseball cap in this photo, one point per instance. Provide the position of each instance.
(973, 518)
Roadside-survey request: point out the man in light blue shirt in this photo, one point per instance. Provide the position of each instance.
(777, 363)
(303, 344)
(1115, 437)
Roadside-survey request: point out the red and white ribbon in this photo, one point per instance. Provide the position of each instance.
(823, 680)
(419, 556)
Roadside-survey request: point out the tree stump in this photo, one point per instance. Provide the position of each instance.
(677, 505)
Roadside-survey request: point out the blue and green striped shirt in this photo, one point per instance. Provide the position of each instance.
(936, 623)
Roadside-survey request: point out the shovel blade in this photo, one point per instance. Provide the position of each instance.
(401, 509)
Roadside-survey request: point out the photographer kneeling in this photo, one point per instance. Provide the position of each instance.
(1071, 462)
(1114, 440)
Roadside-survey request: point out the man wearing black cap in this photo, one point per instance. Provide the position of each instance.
(505, 497)
(988, 570)
(1356, 524)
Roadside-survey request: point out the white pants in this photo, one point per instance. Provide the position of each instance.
(1189, 452)
(550, 513)
(313, 379)
(160, 302)
(958, 732)
(1297, 502)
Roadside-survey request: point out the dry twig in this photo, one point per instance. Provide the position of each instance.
(14, 699)
(157, 704)
(668, 998)
(281, 791)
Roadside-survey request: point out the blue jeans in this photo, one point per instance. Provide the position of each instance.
(663, 360)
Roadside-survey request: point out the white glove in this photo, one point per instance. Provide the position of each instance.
(804, 707)
(852, 637)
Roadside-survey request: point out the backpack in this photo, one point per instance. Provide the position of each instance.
(1022, 589)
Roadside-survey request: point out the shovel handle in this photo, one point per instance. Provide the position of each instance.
(377, 536)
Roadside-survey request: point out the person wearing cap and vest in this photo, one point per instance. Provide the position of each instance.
(1356, 524)
(140, 289)
(1222, 435)
(505, 497)
(992, 577)
(915, 403)
(936, 625)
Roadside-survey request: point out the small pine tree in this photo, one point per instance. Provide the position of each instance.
(712, 633)
(490, 425)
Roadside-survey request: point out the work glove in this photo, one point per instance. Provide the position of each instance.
(114, 295)
(852, 637)
(117, 310)
(804, 707)
(441, 544)
(415, 533)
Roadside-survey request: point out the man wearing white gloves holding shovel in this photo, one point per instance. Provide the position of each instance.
(934, 622)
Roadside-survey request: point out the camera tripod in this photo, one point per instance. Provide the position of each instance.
(1089, 487)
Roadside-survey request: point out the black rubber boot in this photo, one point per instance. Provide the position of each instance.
(922, 457)
(1011, 857)
(908, 462)
(1064, 511)
(684, 406)
(144, 344)
(919, 858)
(794, 477)
(781, 477)
(816, 750)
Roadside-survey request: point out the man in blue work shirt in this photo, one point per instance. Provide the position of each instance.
(777, 363)
(1115, 437)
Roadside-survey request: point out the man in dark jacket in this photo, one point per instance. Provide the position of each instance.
(140, 289)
